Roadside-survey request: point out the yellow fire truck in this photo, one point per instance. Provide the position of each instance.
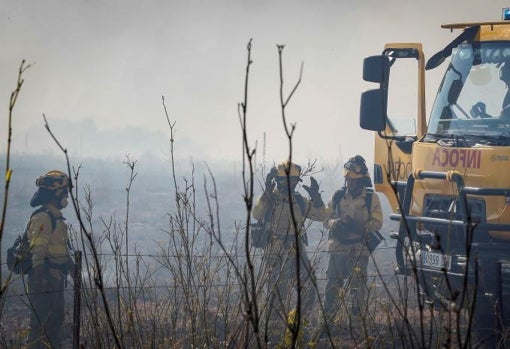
(447, 177)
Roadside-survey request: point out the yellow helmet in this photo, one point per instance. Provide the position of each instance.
(53, 185)
(356, 167)
(53, 180)
(293, 169)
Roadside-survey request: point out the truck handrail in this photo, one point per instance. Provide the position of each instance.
(462, 192)
(421, 219)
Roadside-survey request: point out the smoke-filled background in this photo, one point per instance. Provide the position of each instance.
(99, 69)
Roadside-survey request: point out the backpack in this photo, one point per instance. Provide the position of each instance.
(373, 238)
(19, 255)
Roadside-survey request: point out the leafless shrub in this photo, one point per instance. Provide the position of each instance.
(207, 287)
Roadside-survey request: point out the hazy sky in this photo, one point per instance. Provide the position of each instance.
(101, 66)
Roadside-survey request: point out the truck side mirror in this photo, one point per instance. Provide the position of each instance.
(376, 69)
(373, 110)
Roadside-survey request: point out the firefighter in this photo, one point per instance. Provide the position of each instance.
(50, 260)
(274, 206)
(349, 220)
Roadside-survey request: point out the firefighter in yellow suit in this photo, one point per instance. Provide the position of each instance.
(50, 260)
(280, 252)
(349, 221)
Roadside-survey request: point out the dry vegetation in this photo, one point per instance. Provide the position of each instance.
(206, 286)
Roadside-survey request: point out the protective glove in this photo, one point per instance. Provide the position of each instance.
(313, 192)
(336, 225)
(352, 226)
(357, 227)
(336, 228)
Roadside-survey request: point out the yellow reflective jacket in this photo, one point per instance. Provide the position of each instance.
(355, 208)
(49, 245)
(281, 224)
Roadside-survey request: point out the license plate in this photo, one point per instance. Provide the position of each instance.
(435, 260)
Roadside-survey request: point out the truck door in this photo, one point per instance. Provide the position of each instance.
(396, 111)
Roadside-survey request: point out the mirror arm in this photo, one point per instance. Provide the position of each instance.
(394, 138)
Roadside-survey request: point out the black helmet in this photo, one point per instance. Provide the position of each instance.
(356, 168)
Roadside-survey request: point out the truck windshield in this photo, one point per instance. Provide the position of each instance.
(474, 97)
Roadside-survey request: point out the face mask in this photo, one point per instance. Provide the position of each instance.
(281, 185)
(354, 186)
